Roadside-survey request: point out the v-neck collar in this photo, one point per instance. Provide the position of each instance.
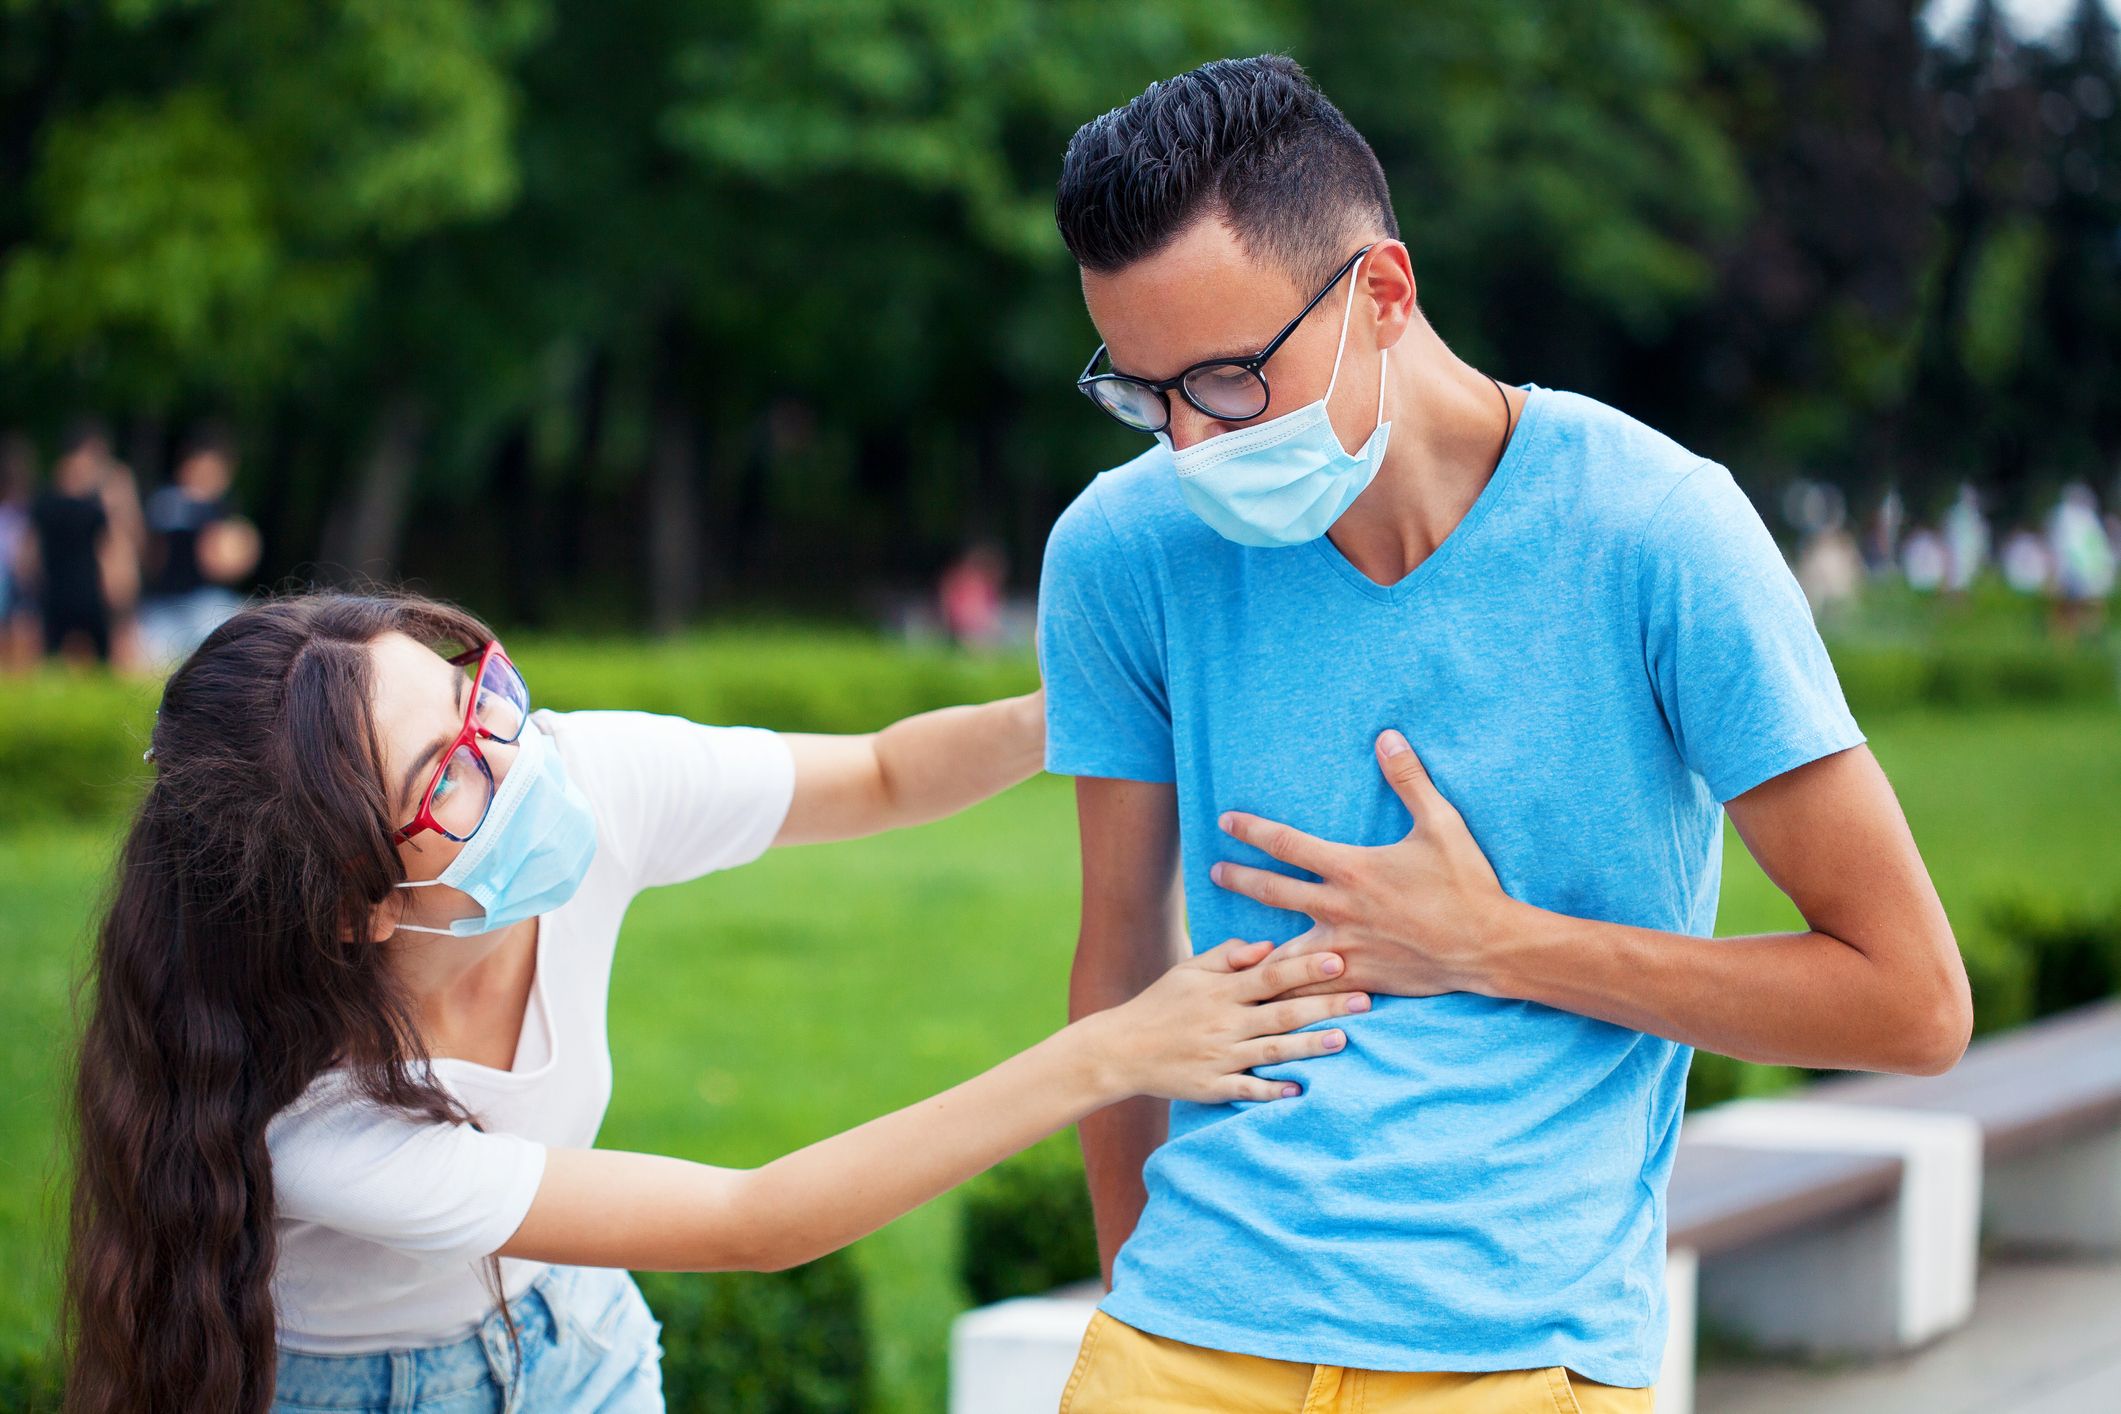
(1498, 480)
(536, 1004)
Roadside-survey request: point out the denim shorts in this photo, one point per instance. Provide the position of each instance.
(589, 1344)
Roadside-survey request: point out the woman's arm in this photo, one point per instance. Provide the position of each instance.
(1192, 1035)
(912, 771)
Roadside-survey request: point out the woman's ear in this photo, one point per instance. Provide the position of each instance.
(383, 920)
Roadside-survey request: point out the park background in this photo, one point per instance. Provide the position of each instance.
(689, 342)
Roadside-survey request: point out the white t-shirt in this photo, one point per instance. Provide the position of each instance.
(386, 1219)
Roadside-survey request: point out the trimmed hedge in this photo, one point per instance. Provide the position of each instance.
(792, 1342)
(1027, 1224)
(2060, 956)
(30, 1381)
(1886, 677)
(70, 742)
(70, 745)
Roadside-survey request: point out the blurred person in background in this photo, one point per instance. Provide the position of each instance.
(1881, 539)
(1967, 541)
(128, 560)
(199, 548)
(2027, 566)
(969, 597)
(1924, 560)
(77, 563)
(1829, 562)
(18, 488)
(2083, 558)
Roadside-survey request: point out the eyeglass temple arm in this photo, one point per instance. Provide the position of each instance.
(472, 655)
(1287, 329)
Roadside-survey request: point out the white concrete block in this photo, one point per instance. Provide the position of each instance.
(2059, 1196)
(1675, 1382)
(1871, 1284)
(1014, 1357)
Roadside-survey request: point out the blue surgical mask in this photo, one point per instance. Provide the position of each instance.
(532, 850)
(1286, 480)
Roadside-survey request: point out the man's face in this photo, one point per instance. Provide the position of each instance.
(1203, 296)
(206, 474)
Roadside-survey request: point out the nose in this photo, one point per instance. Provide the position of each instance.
(501, 756)
(1189, 426)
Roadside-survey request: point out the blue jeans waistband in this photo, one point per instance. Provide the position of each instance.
(405, 1379)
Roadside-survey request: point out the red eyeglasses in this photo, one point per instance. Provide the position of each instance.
(457, 798)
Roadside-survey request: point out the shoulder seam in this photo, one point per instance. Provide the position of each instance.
(1141, 595)
(1633, 579)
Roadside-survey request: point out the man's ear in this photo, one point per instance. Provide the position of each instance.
(1388, 282)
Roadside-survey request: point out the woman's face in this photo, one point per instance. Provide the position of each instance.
(419, 704)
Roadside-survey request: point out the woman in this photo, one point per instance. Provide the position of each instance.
(348, 1054)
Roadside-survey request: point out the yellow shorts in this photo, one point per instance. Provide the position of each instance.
(1125, 1371)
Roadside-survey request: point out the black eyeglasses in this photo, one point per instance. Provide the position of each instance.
(1227, 389)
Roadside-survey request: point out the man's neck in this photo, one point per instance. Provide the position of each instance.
(1447, 434)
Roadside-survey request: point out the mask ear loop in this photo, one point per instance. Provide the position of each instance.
(1341, 352)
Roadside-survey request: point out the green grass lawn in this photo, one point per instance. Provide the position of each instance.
(755, 1011)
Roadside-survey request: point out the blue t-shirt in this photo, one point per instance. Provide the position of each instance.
(1607, 647)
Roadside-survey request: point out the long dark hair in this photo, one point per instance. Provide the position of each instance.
(232, 967)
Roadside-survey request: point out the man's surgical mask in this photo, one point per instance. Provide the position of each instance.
(1286, 480)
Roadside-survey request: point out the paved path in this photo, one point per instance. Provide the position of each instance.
(2045, 1339)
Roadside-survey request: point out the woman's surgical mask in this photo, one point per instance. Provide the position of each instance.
(532, 850)
(1286, 480)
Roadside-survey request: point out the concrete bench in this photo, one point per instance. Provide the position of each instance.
(2048, 1099)
(1869, 1243)
(1793, 1234)
(1764, 1239)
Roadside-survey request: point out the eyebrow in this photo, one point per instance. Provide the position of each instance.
(429, 754)
(1248, 354)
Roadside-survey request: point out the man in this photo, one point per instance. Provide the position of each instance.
(1357, 583)
(195, 527)
(77, 558)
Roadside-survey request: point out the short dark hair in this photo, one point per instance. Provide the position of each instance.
(1250, 140)
(82, 431)
(210, 439)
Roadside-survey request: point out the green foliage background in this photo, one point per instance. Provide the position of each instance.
(498, 292)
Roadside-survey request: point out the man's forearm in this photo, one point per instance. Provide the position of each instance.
(1130, 934)
(1875, 983)
(1804, 999)
(1118, 1140)
(1116, 1143)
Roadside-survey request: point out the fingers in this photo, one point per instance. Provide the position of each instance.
(1315, 989)
(1408, 777)
(1251, 1087)
(1285, 842)
(1271, 889)
(1303, 1045)
(1298, 1012)
(1234, 956)
(1285, 970)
